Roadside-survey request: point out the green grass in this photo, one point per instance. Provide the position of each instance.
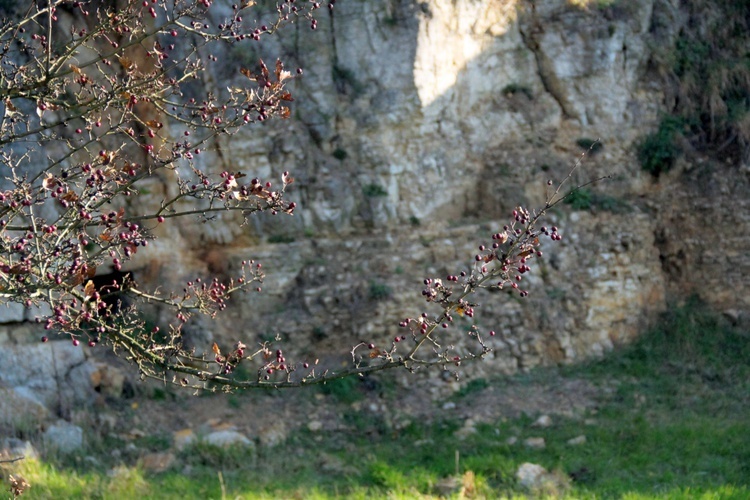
(671, 422)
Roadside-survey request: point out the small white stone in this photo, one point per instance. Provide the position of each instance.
(529, 475)
(315, 425)
(543, 422)
(536, 443)
(577, 440)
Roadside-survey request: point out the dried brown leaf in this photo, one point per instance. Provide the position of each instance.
(69, 196)
(249, 74)
(126, 63)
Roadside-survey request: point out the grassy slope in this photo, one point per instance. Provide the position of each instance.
(672, 423)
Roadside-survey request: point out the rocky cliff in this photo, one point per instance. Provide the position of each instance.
(418, 127)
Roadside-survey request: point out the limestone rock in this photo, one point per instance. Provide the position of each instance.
(578, 440)
(405, 163)
(183, 438)
(227, 438)
(11, 312)
(21, 408)
(157, 462)
(12, 448)
(54, 371)
(543, 422)
(107, 379)
(273, 434)
(536, 443)
(537, 479)
(528, 474)
(315, 425)
(64, 437)
(467, 429)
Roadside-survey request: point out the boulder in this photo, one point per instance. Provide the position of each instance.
(540, 482)
(21, 408)
(54, 372)
(227, 439)
(530, 475)
(12, 448)
(63, 437)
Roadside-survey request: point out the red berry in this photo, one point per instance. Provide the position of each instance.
(45, 338)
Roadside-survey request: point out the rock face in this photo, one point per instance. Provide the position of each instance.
(42, 381)
(56, 374)
(420, 126)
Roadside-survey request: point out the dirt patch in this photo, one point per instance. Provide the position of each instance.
(271, 416)
(565, 397)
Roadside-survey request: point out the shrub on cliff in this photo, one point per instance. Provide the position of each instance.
(705, 73)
